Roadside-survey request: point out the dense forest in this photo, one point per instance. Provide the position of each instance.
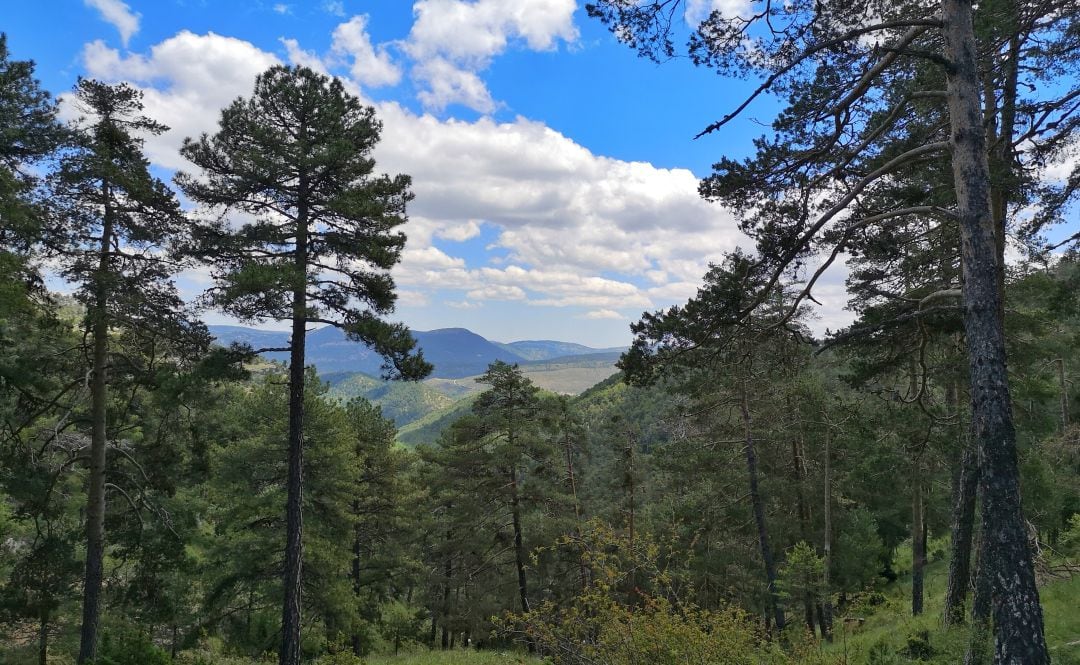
(741, 491)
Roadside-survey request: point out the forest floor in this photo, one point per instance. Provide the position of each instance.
(891, 625)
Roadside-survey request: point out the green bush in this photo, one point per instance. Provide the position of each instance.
(125, 645)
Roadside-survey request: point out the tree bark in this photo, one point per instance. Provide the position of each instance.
(918, 543)
(759, 512)
(99, 397)
(827, 613)
(519, 546)
(1063, 393)
(43, 637)
(965, 490)
(1016, 609)
(294, 521)
(356, 551)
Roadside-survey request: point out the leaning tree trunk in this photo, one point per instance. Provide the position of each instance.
(99, 396)
(1016, 609)
(759, 512)
(294, 521)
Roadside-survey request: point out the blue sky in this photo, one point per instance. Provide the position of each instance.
(554, 171)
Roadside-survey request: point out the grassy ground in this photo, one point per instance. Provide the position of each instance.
(452, 658)
(891, 624)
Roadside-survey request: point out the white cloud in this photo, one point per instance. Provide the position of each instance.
(298, 56)
(449, 84)
(187, 79)
(119, 14)
(370, 66)
(334, 7)
(699, 10)
(498, 292)
(282, 8)
(452, 40)
(460, 232)
(603, 314)
(571, 229)
(412, 298)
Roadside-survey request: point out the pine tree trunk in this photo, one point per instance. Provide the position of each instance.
(918, 544)
(1016, 609)
(43, 637)
(965, 489)
(1063, 393)
(759, 512)
(99, 397)
(294, 521)
(827, 614)
(519, 548)
(568, 447)
(356, 551)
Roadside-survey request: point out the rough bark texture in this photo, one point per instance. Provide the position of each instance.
(1016, 609)
(759, 513)
(965, 489)
(95, 492)
(294, 520)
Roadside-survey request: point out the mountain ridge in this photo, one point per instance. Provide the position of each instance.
(455, 352)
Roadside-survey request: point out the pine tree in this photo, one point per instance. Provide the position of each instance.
(317, 247)
(109, 221)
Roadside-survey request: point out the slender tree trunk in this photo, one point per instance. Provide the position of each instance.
(759, 511)
(1063, 393)
(797, 473)
(918, 543)
(827, 614)
(294, 522)
(356, 551)
(43, 637)
(1016, 609)
(965, 491)
(99, 397)
(519, 545)
(568, 447)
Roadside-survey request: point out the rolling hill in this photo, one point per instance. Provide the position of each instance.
(459, 356)
(456, 353)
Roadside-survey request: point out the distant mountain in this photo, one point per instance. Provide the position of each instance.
(455, 352)
(546, 349)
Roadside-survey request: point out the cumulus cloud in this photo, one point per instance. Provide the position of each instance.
(449, 84)
(186, 80)
(370, 66)
(570, 229)
(119, 14)
(452, 40)
(301, 57)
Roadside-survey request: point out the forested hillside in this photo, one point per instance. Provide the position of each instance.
(735, 487)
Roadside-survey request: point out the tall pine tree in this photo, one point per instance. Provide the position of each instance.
(317, 246)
